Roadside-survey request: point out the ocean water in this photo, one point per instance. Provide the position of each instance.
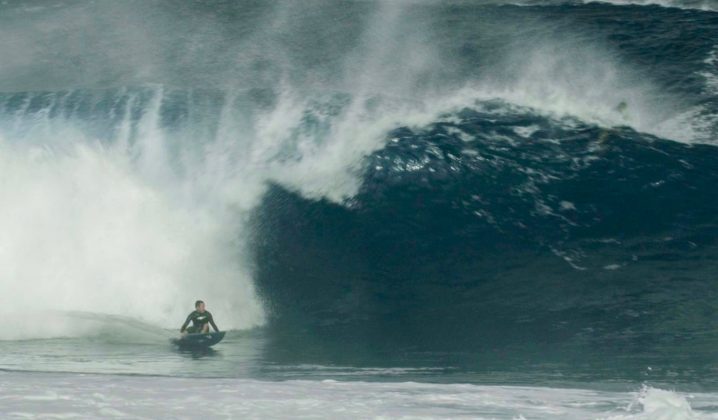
(417, 209)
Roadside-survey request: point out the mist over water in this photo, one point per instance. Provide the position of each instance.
(131, 155)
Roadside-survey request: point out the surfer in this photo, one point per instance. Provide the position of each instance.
(201, 320)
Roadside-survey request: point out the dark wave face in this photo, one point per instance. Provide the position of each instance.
(494, 228)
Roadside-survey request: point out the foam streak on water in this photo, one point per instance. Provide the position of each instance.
(65, 396)
(706, 5)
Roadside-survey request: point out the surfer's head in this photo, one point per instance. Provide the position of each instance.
(199, 305)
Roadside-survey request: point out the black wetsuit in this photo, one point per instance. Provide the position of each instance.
(199, 320)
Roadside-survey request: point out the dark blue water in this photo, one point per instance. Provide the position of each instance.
(585, 242)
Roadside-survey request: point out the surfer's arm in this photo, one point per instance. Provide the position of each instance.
(184, 326)
(211, 322)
